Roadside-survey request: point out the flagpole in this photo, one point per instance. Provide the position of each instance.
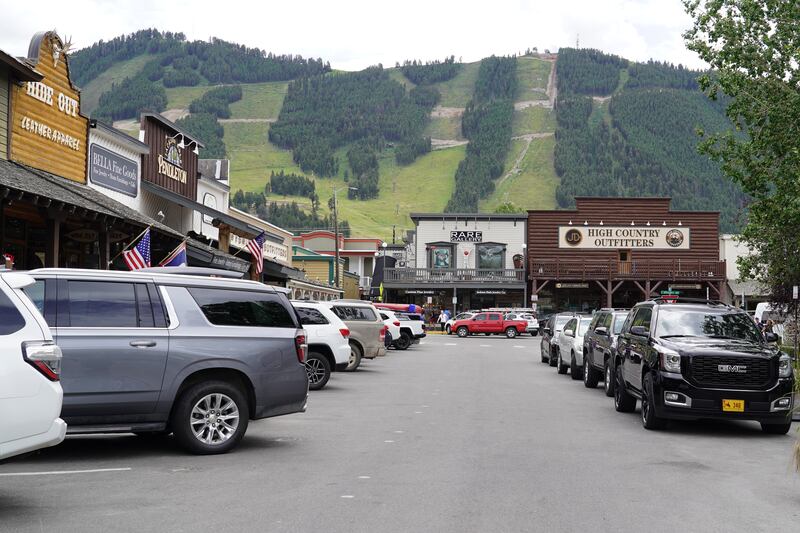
(173, 250)
(129, 245)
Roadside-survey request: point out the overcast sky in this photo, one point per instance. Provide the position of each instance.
(353, 34)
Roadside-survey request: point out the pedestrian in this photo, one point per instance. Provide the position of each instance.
(442, 319)
(769, 327)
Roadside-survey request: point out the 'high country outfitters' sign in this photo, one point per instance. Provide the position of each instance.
(623, 237)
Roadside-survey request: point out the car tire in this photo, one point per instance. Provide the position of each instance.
(534, 333)
(462, 331)
(776, 429)
(541, 354)
(318, 370)
(487, 334)
(403, 342)
(575, 371)
(447, 329)
(608, 384)
(591, 377)
(649, 418)
(623, 402)
(560, 366)
(511, 333)
(196, 433)
(355, 358)
(553, 357)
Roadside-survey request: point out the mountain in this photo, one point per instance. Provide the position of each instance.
(421, 136)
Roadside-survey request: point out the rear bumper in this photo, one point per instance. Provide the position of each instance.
(281, 392)
(695, 402)
(51, 437)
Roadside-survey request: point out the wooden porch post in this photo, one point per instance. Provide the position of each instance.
(53, 239)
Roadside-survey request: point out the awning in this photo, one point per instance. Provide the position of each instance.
(204, 255)
(210, 211)
(277, 270)
(748, 288)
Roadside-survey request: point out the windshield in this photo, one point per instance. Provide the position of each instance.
(583, 325)
(706, 323)
(619, 321)
(561, 320)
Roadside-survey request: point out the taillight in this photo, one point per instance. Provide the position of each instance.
(301, 346)
(396, 323)
(345, 332)
(383, 332)
(46, 358)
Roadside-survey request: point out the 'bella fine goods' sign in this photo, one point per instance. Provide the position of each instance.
(113, 171)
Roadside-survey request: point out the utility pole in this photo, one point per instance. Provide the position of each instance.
(336, 231)
(393, 233)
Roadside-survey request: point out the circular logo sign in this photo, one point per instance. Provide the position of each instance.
(573, 237)
(674, 237)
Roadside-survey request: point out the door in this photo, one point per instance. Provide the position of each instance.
(115, 348)
(495, 323)
(624, 261)
(479, 323)
(637, 348)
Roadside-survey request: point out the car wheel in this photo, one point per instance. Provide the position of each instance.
(649, 418)
(552, 359)
(608, 385)
(575, 371)
(623, 402)
(447, 329)
(210, 417)
(355, 358)
(462, 331)
(318, 370)
(487, 334)
(403, 342)
(542, 355)
(561, 367)
(590, 374)
(511, 333)
(776, 429)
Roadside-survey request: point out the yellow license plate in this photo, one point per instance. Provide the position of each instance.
(733, 405)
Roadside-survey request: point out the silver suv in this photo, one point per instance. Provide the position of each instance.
(150, 352)
(367, 330)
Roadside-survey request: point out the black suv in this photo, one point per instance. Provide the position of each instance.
(701, 359)
(599, 348)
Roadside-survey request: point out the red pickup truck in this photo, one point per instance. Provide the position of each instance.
(489, 324)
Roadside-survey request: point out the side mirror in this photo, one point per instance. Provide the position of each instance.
(547, 330)
(770, 337)
(474, 318)
(569, 333)
(640, 331)
(601, 331)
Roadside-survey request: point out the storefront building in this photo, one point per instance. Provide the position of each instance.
(462, 261)
(615, 252)
(357, 253)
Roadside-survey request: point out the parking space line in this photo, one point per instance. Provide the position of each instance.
(518, 346)
(485, 346)
(62, 472)
(450, 344)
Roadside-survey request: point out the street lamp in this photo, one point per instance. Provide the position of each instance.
(336, 230)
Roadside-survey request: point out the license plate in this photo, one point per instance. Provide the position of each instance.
(736, 406)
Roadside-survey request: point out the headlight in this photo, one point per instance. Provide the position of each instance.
(670, 360)
(784, 366)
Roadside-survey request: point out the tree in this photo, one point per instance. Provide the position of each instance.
(751, 46)
(509, 207)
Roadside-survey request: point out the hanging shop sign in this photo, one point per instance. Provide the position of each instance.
(169, 163)
(113, 171)
(466, 236)
(83, 235)
(172, 161)
(572, 285)
(623, 237)
(271, 250)
(685, 286)
(47, 129)
(419, 291)
(491, 291)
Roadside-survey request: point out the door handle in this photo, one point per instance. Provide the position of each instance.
(142, 344)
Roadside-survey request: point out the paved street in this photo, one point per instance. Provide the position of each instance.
(453, 435)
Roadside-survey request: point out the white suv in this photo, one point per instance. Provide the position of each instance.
(412, 329)
(393, 333)
(328, 342)
(30, 364)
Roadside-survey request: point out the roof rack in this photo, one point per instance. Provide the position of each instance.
(614, 309)
(673, 299)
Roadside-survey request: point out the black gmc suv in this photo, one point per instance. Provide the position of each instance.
(701, 359)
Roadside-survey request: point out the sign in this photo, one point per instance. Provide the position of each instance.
(572, 285)
(83, 235)
(172, 162)
(795, 292)
(685, 286)
(670, 296)
(113, 171)
(534, 297)
(490, 291)
(419, 291)
(169, 164)
(271, 250)
(466, 236)
(46, 127)
(623, 237)
(455, 300)
(430, 299)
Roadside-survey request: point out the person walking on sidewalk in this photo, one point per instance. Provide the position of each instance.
(442, 320)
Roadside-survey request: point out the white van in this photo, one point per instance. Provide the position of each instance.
(30, 367)
(765, 311)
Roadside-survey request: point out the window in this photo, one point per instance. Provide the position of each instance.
(494, 316)
(642, 318)
(490, 255)
(224, 307)
(480, 316)
(311, 317)
(11, 320)
(619, 321)
(440, 256)
(571, 325)
(36, 293)
(355, 313)
(145, 309)
(102, 304)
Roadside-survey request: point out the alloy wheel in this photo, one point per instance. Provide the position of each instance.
(315, 370)
(214, 419)
(607, 383)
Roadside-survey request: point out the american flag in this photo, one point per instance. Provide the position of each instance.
(255, 247)
(139, 256)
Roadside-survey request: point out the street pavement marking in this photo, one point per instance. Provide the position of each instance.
(363, 477)
(61, 472)
(399, 431)
(450, 344)
(347, 496)
(388, 441)
(418, 412)
(485, 346)
(517, 346)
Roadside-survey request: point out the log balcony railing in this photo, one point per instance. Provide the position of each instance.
(669, 270)
(452, 275)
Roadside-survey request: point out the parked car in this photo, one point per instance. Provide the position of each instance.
(448, 326)
(30, 366)
(689, 360)
(392, 324)
(533, 324)
(599, 348)
(570, 344)
(550, 334)
(157, 353)
(367, 330)
(412, 329)
(328, 343)
(490, 324)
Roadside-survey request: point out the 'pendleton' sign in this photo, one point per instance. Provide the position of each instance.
(113, 171)
(466, 236)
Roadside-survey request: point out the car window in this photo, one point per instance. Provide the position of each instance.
(11, 320)
(480, 316)
(225, 307)
(463, 316)
(355, 313)
(36, 293)
(311, 317)
(560, 321)
(570, 325)
(494, 316)
(103, 304)
(619, 321)
(583, 325)
(597, 321)
(642, 318)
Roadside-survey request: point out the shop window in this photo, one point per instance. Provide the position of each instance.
(490, 256)
(441, 256)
